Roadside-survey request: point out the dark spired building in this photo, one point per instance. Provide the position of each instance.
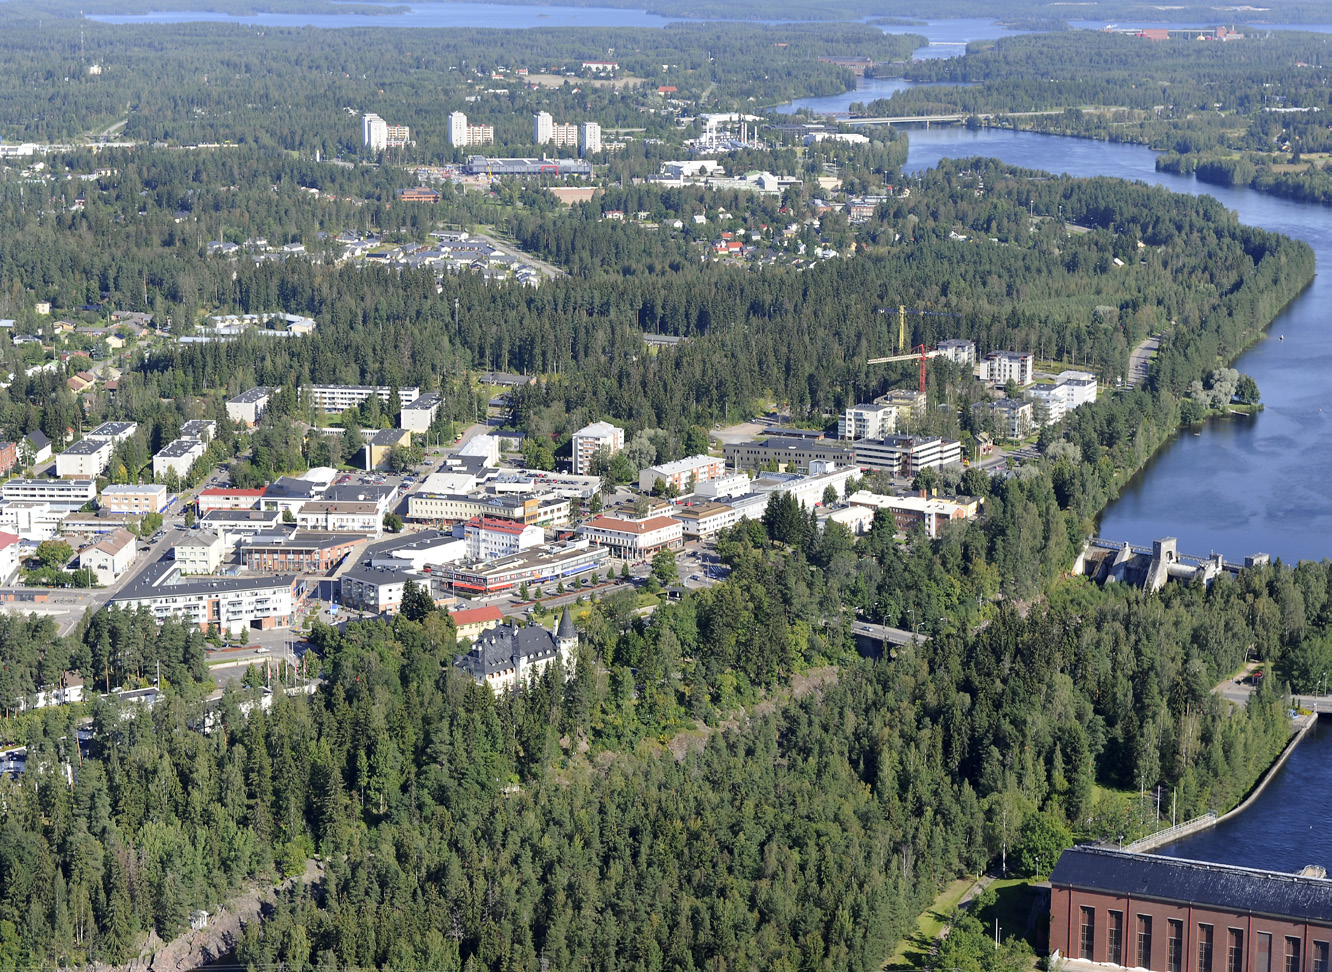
(1119, 908)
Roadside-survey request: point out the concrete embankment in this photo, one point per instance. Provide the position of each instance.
(1171, 834)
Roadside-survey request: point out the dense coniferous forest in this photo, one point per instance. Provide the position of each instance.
(304, 90)
(724, 783)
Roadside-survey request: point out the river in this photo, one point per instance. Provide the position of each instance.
(1287, 827)
(1236, 486)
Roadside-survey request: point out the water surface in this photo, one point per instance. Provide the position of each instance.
(1287, 827)
(1233, 486)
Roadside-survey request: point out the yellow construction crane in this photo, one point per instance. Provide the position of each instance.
(902, 311)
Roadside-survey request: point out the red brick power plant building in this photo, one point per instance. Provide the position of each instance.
(1119, 908)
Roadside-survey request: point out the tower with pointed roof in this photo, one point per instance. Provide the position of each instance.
(566, 639)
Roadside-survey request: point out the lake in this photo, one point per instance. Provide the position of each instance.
(1287, 827)
(1233, 486)
(496, 15)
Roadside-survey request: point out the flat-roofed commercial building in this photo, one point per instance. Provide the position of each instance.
(62, 494)
(479, 165)
(551, 564)
(786, 453)
(591, 439)
(233, 526)
(545, 510)
(1117, 909)
(682, 472)
(86, 459)
(178, 457)
(338, 398)
(634, 539)
(303, 552)
(230, 604)
(135, 500)
(414, 551)
(249, 406)
(228, 498)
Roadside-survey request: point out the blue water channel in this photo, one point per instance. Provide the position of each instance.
(1287, 827)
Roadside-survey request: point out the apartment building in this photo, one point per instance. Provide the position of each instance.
(199, 552)
(872, 421)
(589, 139)
(490, 537)
(113, 432)
(1013, 418)
(228, 498)
(377, 590)
(61, 494)
(462, 134)
(202, 429)
(229, 604)
(703, 520)
(682, 473)
(110, 557)
(591, 439)
(335, 399)
(419, 414)
(85, 459)
(135, 500)
(958, 351)
(178, 457)
(1001, 367)
(546, 129)
(249, 406)
(378, 135)
(1070, 390)
(547, 510)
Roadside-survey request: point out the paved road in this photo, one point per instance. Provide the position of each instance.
(1140, 360)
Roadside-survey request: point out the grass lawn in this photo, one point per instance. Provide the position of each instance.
(1012, 906)
(915, 948)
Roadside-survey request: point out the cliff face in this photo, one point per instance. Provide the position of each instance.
(198, 949)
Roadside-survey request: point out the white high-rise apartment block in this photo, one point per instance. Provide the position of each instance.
(461, 134)
(589, 142)
(374, 132)
(588, 441)
(378, 134)
(458, 130)
(543, 127)
(564, 136)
